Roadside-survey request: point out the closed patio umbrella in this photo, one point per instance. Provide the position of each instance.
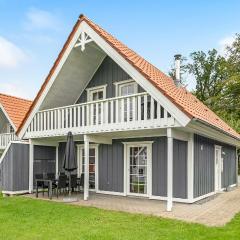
(70, 159)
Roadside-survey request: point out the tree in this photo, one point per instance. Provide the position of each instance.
(230, 97)
(209, 71)
(218, 81)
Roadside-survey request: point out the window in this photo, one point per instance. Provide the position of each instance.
(96, 93)
(125, 88)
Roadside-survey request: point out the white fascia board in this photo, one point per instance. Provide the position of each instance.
(7, 116)
(51, 81)
(45, 143)
(210, 132)
(179, 115)
(99, 139)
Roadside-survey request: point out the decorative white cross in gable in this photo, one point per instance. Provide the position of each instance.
(83, 40)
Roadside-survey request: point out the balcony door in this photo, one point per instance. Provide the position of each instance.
(96, 94)
(125, 89)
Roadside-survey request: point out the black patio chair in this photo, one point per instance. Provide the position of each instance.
(51, 176)
(61, 184)
(73, 182)
(41, 185)
(81, 183)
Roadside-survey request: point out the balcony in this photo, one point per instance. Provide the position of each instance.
(5, 138)
(138, 111)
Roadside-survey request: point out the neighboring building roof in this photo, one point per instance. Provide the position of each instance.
(183, 99)
(16, 108)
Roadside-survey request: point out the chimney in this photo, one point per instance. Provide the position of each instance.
(177, 79)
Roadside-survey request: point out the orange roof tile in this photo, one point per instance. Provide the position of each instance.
(183, 99)
(15, 107)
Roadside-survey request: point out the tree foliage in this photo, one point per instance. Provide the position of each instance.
(218, 81)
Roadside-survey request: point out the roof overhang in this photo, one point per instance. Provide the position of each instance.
(202, 128)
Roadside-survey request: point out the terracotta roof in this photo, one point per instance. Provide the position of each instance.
(183, 99)
(15, 107)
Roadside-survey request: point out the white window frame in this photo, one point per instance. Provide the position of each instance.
(127, 145)
(123, 83)
(80, 147)
(216, 174)
(92, 90)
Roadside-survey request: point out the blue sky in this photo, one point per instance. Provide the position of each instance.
(33, 32)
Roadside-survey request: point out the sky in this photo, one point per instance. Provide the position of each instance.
(33, 32)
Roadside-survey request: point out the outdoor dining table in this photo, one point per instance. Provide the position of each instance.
(50, 183)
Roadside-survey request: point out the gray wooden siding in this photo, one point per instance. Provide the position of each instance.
(180, 169)
(108, 73)
(111, 167)
(44, 160)
(159, 166)
(229, 166)
(14, 169)
(204, 165)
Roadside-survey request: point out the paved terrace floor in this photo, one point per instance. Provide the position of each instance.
(214, 211)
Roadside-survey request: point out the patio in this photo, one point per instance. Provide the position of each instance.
(214, 211)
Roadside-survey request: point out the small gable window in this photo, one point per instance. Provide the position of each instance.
(125, 88)
(96, 93)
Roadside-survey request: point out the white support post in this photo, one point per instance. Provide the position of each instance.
(86, 169)
(56, 162)
(169, 169)
(31, 157)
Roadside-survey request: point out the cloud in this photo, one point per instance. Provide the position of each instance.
(225, 42)
(11, 55)
(37, 19)
(13, 89)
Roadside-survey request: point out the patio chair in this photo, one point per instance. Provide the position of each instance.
(51, 176)
(41, 185)
(73, 182)
(61, 184)
(81, 183)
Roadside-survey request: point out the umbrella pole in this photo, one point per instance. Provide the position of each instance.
(70, 189)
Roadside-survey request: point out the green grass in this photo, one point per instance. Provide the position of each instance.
(23, 218)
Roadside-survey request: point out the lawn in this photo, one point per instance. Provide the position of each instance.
(23, 218)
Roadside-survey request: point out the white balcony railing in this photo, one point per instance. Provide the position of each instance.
(5, 138)
(113, 114)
